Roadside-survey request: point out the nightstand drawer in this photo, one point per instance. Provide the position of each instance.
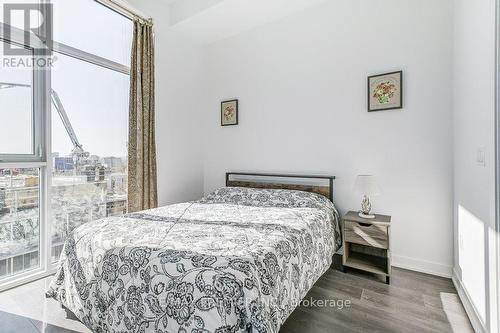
(366, 234)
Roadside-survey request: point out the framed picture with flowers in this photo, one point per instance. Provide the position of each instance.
(229, 113)
(385, 91)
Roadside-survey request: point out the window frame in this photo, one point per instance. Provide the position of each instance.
(38, 102)
(42, 113)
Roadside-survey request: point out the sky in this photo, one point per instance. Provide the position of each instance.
(95, 98)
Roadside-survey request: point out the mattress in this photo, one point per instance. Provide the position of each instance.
(238, 260)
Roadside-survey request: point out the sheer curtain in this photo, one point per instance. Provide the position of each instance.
(142, 186)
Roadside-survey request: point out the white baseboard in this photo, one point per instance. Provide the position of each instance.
(470, 309)
(422, 266)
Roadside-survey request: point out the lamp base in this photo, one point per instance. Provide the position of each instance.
(366, 216)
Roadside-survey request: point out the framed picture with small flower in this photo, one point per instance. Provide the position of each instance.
(385, 91)
(229, 113)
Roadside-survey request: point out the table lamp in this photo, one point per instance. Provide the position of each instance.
(367, 186)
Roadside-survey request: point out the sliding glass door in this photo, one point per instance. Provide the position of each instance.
(63, 132)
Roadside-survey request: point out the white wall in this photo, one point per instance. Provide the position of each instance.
(473, 107)
(178, 125)
(301, 83)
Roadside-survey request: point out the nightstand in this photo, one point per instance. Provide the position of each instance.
(367, 244)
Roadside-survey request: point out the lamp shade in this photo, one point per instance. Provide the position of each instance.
(367, 185)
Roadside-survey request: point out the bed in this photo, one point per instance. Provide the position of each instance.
(238, 260)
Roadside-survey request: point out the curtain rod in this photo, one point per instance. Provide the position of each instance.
(125, 10)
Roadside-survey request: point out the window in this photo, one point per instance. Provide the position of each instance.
(63, 135)
(19, 220)
(109, 36)
(89, 170)
(20, 126)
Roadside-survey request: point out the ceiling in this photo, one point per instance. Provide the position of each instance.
(207, 21)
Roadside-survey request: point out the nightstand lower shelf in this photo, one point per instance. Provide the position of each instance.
(367, 262)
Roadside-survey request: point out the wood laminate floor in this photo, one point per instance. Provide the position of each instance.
(414, 302)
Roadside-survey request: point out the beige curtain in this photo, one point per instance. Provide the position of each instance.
(142, 188)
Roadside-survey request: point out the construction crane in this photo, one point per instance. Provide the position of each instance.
(80, 156)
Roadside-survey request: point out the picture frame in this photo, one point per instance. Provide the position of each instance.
(229, 112)
(385, 91)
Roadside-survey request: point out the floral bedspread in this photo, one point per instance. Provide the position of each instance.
(238, 260)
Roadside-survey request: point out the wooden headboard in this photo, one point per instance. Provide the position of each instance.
(327, 191)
